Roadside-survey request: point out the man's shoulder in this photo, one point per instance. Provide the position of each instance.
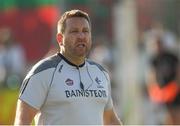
(91, 62)
(46, 63)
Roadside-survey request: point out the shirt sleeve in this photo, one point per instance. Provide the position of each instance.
(34, 89)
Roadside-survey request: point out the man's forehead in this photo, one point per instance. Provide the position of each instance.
(76, 22)
(73, 20)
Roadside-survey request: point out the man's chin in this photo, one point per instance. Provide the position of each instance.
(82, 53)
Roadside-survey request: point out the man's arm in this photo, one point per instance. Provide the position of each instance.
(111, 118)
(24, 113)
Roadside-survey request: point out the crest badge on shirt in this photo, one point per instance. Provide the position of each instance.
(99, 82)
(69, 82)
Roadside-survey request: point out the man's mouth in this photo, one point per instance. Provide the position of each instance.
(81, 45)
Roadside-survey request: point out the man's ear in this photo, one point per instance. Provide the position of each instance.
(59, 38)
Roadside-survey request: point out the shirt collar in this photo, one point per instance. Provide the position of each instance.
(70, 63)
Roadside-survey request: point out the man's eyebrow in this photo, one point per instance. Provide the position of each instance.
(76, 28)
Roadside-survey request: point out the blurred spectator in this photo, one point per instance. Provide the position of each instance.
(2, 64)
(163, 85)
(12, 58)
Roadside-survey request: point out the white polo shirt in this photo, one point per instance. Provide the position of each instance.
(66, 94)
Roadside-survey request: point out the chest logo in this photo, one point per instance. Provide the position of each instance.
(69, 82)
(98, 81)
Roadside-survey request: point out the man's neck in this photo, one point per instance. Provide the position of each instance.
(77, 60)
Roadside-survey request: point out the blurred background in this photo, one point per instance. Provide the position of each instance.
(137, 41)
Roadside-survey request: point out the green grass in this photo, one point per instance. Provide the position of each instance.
(8, 99)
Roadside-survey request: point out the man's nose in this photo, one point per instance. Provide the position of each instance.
(81, 35)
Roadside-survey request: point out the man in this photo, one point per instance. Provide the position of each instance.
(163, 78)
(66, 88)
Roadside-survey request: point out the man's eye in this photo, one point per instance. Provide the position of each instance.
(74, 31)
(86, 30)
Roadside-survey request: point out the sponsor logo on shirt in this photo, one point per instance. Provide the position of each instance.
(69, 82)
(86, 93)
